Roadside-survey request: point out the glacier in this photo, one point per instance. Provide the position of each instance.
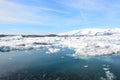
(93, 42)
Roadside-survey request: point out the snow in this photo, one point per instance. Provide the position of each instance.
(95, 45)
(93, 31)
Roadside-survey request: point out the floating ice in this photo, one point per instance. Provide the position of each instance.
(87, 45)
(106, 69)
(52, 50)
(5, 48)
(108, 73)
(85, 66)
(93, 45)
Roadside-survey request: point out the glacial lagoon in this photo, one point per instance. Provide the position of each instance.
(37, 65)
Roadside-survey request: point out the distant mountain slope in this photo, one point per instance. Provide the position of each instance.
(93, 31)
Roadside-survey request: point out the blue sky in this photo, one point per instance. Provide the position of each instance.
(55, 16)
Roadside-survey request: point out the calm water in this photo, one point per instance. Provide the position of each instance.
(36, 65)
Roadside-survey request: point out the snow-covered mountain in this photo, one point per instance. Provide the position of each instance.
(93, 31)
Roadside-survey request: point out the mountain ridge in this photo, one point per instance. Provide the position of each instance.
(93, 31)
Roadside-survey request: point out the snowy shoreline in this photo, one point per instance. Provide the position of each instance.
(82, 45)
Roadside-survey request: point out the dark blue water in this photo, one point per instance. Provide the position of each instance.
(36, 65)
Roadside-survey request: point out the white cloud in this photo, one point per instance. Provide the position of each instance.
(106, 8)
(11, 12)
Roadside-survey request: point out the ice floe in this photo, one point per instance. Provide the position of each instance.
(52, 50)
(85, 66)
(93, 46)
(108, 73)
(87, 45)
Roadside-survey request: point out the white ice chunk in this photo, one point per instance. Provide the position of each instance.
(53, 50)
(85, 66)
